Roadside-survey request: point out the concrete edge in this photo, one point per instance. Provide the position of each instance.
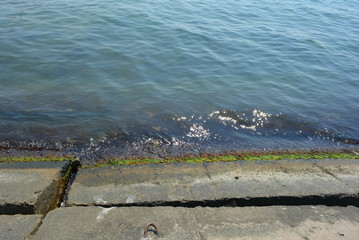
(49, 197)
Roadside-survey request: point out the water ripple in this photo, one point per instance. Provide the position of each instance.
(235, 74)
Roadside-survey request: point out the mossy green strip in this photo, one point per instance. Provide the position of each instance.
(300, 156)
(34, 158)
(229, 158)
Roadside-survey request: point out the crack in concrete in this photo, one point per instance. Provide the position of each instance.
(36, 229)
(340, 200)
(68, 182)
(66, 190)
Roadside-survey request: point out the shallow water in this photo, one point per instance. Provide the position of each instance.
(163, 77)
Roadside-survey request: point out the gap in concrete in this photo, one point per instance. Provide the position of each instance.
(36, 229)
(330, 200)
(12, 209)
(65, 191)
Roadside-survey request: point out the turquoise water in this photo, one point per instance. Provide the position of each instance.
(157, 77)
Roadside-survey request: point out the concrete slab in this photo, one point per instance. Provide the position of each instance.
(29, 188)
(127, 185)
(268, 179)
(203, 182)
(117, 223)
(18, 226)
(280, 222)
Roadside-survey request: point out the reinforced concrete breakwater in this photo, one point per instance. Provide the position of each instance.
(219, 200)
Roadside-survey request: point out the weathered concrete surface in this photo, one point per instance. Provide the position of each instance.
(268, 179)
(118, 185)
(347, 173)
(215, 181)
(28, 188)
(301, 222)
(117, 223)
(18, 226)
(280, 222)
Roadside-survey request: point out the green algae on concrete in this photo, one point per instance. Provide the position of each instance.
(231, 158)
(301, 156)
(35, 158)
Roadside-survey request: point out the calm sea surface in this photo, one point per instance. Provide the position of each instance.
(175, 76)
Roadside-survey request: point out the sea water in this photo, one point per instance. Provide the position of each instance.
(174, 76)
